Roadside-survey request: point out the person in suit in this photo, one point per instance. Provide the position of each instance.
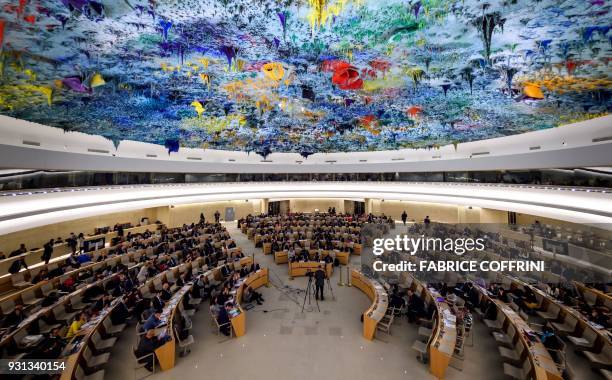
(319, 276)
(223, 319)
(225, 271)
(22, 249)
(103, 302)
(47, 251)
(157, 302)
(153, 321)
(416, 307)
(17, 265)
(40, 276)
(404, 217)
(53, 345)
(15, 317)
(166, 294)
(147, 345)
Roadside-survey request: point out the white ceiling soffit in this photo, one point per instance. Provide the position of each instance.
(28, 145)
(29, 210)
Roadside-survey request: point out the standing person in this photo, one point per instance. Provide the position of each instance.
(217, 216)
(81, 242)
(72, 242)
(427, 221)
(47, 251)
(319, 276)
(223, 320)
(404, 217)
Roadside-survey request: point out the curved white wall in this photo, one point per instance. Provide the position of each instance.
(34, 146)
(24, 211)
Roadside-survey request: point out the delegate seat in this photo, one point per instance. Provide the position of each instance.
(113, 330)
(602, 359)
(496, 324)
(551, 313)
(19, 281)
(512, 355)
(28, 297)
(518, 373)
(101, 345)
(505, 339)
(94, 362)
(585, 342)
(61, 315)
(567, 327)
(80, 374)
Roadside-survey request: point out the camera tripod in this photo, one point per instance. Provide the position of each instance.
(309, 289)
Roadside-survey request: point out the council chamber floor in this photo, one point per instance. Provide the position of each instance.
(283, 343)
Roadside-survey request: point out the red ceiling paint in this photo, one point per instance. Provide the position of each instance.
(380, 65)
(347, 78)
(22, 5)
(414, 110)
(2, 24)
(333, 65)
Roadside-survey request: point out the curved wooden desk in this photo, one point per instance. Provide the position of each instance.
(166, 353)
(254, 280)
(567, 313)
(443, 339)
(36, 290)
(543, 365)
(300, 268)
(33, 257)
(81, 340)
(380, 302)
(63, 300)
(594, 296)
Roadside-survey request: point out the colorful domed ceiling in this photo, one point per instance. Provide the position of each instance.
(304, 76)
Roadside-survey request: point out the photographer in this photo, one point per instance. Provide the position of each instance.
(319, 276)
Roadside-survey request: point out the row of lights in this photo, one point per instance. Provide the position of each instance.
(65, 190)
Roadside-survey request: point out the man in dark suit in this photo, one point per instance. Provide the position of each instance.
(147, 345)
(158, 303)
(225, 271)
(223, 320)
(47, 251)
(166, 294)
(319, 276)
(416, 307)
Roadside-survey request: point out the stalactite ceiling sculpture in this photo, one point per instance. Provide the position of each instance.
(304, 76)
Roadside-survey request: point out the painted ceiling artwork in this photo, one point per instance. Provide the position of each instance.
(305, 76)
